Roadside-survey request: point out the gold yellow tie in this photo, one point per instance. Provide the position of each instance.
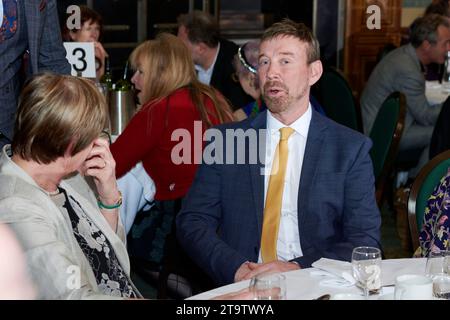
(274, 197)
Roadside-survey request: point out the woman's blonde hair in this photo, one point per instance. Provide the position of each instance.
(167, 66)
(57, 112)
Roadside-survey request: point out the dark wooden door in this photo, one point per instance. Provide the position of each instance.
(362, 45)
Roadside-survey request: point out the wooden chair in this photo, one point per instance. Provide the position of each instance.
(336, 98)
(385, 134)
(423, 186)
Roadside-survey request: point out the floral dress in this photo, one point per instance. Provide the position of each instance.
(434, 235)
(111, 278)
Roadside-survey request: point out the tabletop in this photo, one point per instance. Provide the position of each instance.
(308, 284)
(436, 92)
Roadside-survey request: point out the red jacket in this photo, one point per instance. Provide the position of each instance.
(147, 138)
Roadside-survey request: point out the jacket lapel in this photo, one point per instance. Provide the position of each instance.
(314, 144)
(256, 170)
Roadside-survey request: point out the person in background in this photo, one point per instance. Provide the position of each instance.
(402, 70)
(435, 232)
(312, 194)
(91, 31)
(72, 238)
(245, 64)
(212, 55)
(173, 102)
(15, 283)
(438, 7)
(27, 28)
(435, 71)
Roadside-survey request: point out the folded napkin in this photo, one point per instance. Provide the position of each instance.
(138, 191)
(338, 273)
(433, 85)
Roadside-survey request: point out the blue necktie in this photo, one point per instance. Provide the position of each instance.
(9, 25)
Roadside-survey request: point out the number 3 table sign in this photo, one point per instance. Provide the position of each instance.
(81, 57)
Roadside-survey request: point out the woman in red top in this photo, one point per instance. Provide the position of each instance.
(173, 99)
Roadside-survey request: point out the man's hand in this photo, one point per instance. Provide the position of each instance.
(242, 271)
(244, 294)
(270, 267)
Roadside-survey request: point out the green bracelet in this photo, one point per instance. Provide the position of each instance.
(101, 205)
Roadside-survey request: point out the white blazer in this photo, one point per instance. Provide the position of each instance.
(56, 263)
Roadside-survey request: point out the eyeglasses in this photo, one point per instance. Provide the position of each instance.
(105, 135)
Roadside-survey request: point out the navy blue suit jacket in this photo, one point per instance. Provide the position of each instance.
(220, 223)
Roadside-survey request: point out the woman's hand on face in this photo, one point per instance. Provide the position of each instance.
(101, 165)
(100, 52)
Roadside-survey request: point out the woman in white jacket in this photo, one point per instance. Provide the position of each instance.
(72, 238)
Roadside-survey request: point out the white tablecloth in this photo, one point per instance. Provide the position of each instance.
(436, 92)
(302, 285)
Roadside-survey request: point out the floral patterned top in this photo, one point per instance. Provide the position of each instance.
(435, 231)
(111, 278)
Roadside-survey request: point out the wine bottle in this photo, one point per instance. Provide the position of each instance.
(107, 76)
(123, 84)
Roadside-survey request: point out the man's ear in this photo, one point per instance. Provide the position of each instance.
(201, 48)
(315, 71)
(426, 45)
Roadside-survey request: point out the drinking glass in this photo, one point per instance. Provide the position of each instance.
(438, 269)
(268, 287)
(366, 265)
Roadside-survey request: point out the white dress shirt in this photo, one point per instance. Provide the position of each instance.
(288, 243)
(204, 76)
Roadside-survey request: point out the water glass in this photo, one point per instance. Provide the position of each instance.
(366, 265)
(438, 269)
(268, 287)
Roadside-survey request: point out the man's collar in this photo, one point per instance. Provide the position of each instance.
(301, 125)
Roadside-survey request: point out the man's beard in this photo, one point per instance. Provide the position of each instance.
(283, 102)
(279, 103)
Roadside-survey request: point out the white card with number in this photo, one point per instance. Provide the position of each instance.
(81, 56)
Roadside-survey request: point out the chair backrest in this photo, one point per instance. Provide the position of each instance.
(423, 186)
(386, 133)
(336, 98)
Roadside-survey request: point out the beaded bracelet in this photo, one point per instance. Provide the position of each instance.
(101, 205)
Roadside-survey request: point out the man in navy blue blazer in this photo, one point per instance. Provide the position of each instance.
(328, 200)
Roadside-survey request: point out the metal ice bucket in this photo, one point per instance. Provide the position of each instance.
(121, 108)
